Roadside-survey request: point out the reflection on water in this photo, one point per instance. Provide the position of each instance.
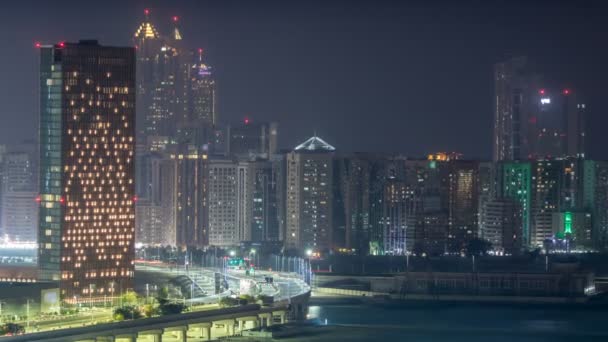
(459, 322)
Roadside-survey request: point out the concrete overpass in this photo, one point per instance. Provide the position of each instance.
(193, 326)
(291, 296)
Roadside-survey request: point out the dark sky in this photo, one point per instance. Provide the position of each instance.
(395, 76)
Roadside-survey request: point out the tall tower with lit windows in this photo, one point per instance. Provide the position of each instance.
(87, 146)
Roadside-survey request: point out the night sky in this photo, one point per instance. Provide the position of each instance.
(364, 75)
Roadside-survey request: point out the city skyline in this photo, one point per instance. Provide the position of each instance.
(256, 69)
(213, 170)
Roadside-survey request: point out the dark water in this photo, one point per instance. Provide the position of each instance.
(459, 322)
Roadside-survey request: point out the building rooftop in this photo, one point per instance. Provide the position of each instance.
(147, 31)
(315, 144)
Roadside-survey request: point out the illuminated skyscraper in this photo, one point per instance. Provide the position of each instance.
(148, 44)
(534, 120)
(309, 194)
(201, 93)
(87, 146)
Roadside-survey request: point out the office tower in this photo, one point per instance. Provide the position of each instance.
(223, 198)
(463, 202)
(148, 44)
(201, 93)
(309, 195)
(87, 128)
(191, 191)
(252, 139)
(534, 119)
(19, 211)
(176, 88)
(160, 79)
(512, 80)
(555, 124)
(502, 225)
(264, 224)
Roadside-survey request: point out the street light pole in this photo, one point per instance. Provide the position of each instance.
(28, 312)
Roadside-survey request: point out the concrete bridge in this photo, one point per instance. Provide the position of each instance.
(291, 303)
(193, 326)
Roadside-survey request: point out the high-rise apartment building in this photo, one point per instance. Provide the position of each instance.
(87, 145)
(516, 184)
(595, 197)
(399, 217)
(463, 202)
(156, 211)
(309, 195)
(502, 225)
(223, 186)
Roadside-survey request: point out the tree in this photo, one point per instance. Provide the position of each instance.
(127, 312)
(149, 310)
(228, 301)
(171, 308)
(478, 247)
(162, 296)
(129, 298)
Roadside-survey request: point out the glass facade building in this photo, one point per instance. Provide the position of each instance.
(87, 129)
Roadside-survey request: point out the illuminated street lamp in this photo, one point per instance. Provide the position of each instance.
(308, 252)
(232, 253)
(253, 252)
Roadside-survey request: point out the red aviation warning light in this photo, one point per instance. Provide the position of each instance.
(37, 45)
(61, 44)
(246, 121)
(175, 18)
(146, 11)
(38, 199)
(542, 91)
(566, 91)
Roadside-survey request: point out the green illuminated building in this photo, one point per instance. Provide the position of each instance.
(516, 184)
